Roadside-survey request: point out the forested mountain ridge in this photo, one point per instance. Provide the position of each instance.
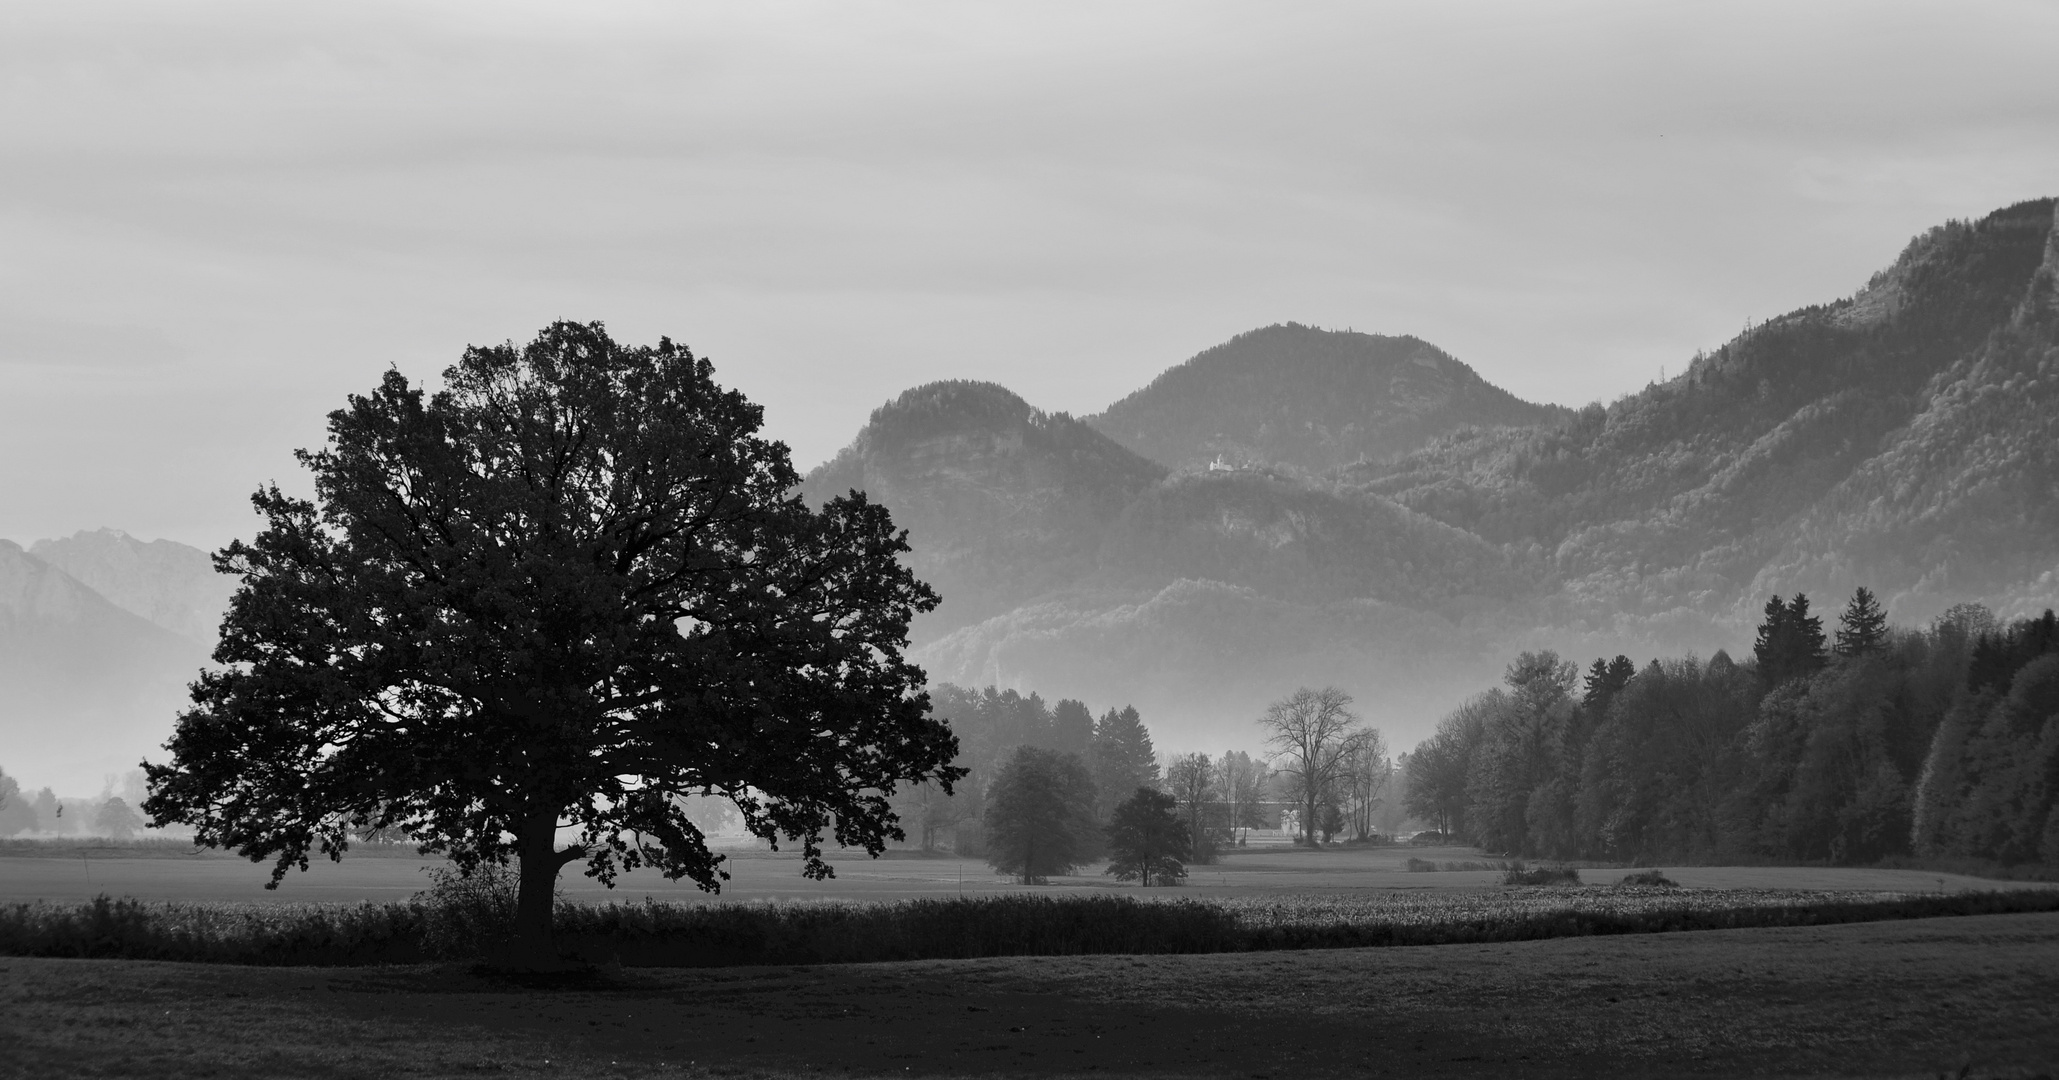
(1310, 399)
(1007, 501)
(1901, 438)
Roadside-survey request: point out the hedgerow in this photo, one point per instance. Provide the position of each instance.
(653, 934)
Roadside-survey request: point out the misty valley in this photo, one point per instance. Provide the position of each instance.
(1318, 708)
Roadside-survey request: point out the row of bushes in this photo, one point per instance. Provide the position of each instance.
(674, 935)
(1516, 873)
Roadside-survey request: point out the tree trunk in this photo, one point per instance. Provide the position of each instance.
(536, 890)
(1308, 820)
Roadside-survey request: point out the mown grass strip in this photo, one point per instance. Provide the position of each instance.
(654, 934)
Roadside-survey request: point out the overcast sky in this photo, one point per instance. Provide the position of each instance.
(218, 219)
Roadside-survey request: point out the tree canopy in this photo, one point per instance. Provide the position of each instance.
(1040, 815)
(1863, 626)
(1123, 756)
(1790, 641)
(565, 592)
(1938, 742)
(1147, 839)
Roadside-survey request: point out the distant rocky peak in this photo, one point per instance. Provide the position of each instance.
(168, 583)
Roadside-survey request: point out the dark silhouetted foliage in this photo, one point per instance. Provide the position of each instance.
(1040, 815)
(1123, 758)
(1863, 626)
(652, 934)
(1940, 743)
(1790, 643)
(573, 586)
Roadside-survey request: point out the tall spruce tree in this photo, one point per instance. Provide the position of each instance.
(1123, 758)
(1790, 642)
(1605, 679)
(1863, 626)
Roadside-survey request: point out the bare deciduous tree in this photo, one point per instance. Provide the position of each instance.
(1242, 782)
(1190, 778)
(1363, 783)
(1313, 734)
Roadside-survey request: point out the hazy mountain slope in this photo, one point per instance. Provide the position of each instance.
(1309, 398)
(1688, 492)
(1289, 540)
(170, 584)
(1904, 438)
(86, 688)
(1202, 658)
(1004, 502)
(1965, 497)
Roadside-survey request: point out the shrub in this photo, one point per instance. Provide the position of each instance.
(1420, 866)
(468, 914)
(1650, 879)
(1518, 874)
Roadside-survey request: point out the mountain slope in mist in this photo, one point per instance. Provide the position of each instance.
(1010, 502)
(1310, 399)
(86, 688)
(168, 583)
(1902, 438)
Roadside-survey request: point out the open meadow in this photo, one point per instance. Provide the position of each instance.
(1905, 997)
(1916, 998)
(73, 874)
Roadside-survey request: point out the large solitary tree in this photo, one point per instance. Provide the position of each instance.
(530, 614)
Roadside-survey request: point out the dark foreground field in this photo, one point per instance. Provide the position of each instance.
(1915, 998)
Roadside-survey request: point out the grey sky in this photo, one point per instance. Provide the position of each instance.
(217, 219)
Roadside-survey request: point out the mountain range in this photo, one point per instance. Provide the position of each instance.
(89, 685)
(1308, 506)
(1300, 505)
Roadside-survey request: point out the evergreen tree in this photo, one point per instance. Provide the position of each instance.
(1805, 649)
(1605, 679)
(1767, 649)
(1072, 728)
(1863, 626)
(1123, 757)
(1147, 839)
(1790, 642)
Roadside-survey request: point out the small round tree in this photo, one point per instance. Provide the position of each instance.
(1147, 840)
(1040, 815)
(561, 595)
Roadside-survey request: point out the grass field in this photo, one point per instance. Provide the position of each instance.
(390, 874)
(1907, 998)
(1918, 998)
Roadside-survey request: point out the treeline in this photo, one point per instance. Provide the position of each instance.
(44, 814)
(1104, 759)
(1873, 743)
(1074, 774)
(1114, 752)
